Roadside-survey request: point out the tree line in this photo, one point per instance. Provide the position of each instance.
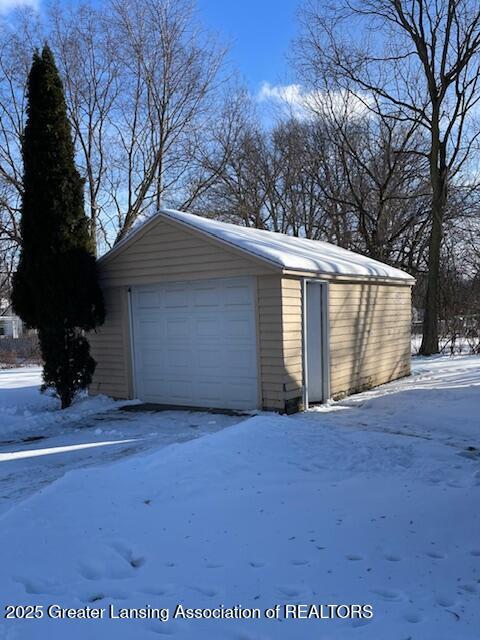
(381, 157)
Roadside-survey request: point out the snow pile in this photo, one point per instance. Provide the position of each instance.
(23, 409)
(38, 440)
(359, 502)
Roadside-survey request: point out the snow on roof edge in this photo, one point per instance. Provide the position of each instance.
(286, 252)
(289, 252)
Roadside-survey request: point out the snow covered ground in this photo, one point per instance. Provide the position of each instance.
(372, 500)
(39, 442)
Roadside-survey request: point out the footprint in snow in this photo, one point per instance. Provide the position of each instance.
(156, 591)
(96, 598)
(360, 622)
(161, 628)
(354, 557)
(389, 595)
(290, 592)
(97, 572)
(39, 587)
(256, 565)
(99, 596)
(469, 588)
(444, 601)
(213, 565)
(134, 560)
(392, 558)
(90, 571)
(210, 592)
(435, 555)
(299, 563)
(413, 617)
(475, 552)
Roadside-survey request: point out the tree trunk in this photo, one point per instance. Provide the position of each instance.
(429, 344)
(439, 180)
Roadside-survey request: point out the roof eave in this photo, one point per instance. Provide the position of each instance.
(338, 277)
(272, 264)
(142, 229)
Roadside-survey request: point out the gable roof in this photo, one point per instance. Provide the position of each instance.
(289, 253)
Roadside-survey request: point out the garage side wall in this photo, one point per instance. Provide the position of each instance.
(370, 328)
(292, 341)
(280, 340)
(110, 346)
(369, 336)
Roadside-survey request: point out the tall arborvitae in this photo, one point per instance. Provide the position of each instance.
(55, 289)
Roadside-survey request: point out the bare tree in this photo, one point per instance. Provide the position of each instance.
(331, 177)
(169, 78)
(16, 43)
(423, 69)
(375, 172)
(142, 84)
(84, 50)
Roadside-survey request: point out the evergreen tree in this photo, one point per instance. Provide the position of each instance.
(55, 289)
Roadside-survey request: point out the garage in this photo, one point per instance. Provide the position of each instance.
(195, 343)
(203, 313)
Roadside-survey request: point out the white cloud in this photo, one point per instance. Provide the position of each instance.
(8, 5)
(302, 103)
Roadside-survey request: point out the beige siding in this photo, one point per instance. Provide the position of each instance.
(280, 333)
(168, 252)
(369, 323)
(269, 305)
(111, 349)
(369, 335)
(292, 337)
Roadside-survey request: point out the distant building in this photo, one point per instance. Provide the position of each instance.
(10, 325)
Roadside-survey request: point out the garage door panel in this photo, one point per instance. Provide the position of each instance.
(238, 296)
(209, 391)
(238, 328)
(151, 357)
(150, 330)
(207, 327)
(148, 299)
(207, 298)
(177, 327)
(240, 361)
(195, 343)
(179, 391)
(207, 360)
(174, 299)
(176, 361)
(238, 392)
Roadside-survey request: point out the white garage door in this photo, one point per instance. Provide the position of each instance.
(195, 343)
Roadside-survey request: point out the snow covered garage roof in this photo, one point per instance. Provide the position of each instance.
(287, 252)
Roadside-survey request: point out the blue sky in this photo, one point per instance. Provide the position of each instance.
(259, 31)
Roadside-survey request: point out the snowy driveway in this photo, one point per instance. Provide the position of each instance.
(39, 443)
(372, 500)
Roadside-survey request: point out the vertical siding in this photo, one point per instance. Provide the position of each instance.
(369, 335)
(111, 348)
